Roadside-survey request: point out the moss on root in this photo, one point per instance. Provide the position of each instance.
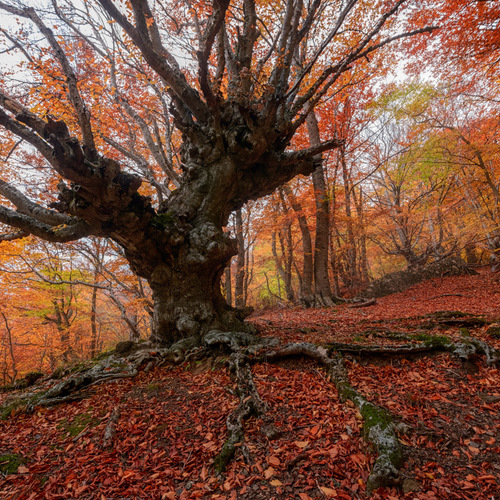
(379, 431)
(10, 462)
(19, 404)
(435, 341)
(226, 454)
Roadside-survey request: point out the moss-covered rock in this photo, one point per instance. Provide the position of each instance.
(125, 347)
(402, 280)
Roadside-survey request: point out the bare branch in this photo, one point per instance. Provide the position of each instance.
(163, 62)
(28, 207)
(55, 234)
(78, 103)
(215, 24)
(334, 31)
(28, 135)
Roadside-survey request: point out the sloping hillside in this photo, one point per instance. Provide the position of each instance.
(155, 436)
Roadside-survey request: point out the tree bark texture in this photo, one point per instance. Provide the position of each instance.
(322, 290)
(239, 284)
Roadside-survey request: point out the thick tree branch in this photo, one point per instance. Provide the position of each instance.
(55, 234)
(28, 135)
(215, 24)
(27, 207)
(311, 152)
(246, 42)
(163, 62)
(13, 236)
(78, 103)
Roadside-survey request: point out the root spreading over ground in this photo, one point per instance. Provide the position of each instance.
(397, 406)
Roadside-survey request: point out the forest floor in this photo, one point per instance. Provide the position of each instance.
(171, 420)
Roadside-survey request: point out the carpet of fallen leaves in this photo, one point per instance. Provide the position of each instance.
(172, 419)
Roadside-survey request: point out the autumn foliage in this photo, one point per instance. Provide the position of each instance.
(170, 168)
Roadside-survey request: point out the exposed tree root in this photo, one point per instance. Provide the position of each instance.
(378, 427)
(465, 350)
(47, 402)
(247, 349)
(250, 404)
(120, 364)
(449, 295)
(110, 430)
(363, 303)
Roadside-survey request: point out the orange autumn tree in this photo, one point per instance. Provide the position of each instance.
(236, 105)
(468, 43)
(65, 303)
(439, 193)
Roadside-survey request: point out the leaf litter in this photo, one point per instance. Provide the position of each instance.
(172, 419)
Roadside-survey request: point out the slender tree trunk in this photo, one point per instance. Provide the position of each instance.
(363, 260)
(130, 321)
(351, 242)
(284, 272)
(10, 342)
(249, 262)
(227, 284)
(286, 244)
(306, 293)
(240, 262)
(62, 323)
(93, 322)
(323, 294)
(334, 257)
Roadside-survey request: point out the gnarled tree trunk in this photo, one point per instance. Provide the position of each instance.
(189, 303)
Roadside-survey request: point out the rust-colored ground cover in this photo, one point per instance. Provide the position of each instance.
(172, 419)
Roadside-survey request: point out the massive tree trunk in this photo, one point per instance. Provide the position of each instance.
(190, 303)
(186, 283)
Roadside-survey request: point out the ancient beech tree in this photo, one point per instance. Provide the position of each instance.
(253, 73)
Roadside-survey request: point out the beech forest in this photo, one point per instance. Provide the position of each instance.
(249, 249)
